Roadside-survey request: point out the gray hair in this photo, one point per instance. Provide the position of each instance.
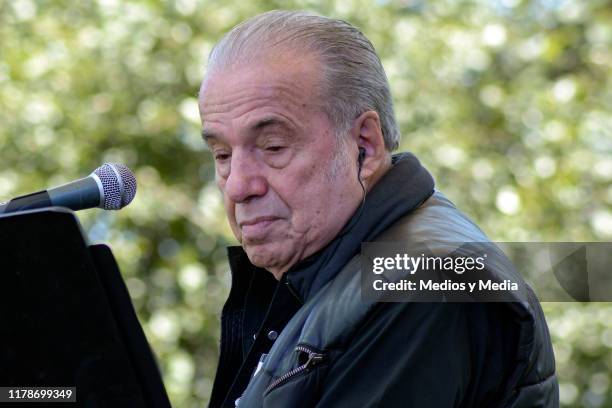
(354, 80)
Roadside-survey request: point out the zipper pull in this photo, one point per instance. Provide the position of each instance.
(313, 358)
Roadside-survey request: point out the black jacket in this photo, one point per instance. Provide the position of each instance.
(334, 349)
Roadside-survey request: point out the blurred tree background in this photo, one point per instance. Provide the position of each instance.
(507, 102)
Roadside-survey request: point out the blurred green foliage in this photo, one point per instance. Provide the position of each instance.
(507, 102)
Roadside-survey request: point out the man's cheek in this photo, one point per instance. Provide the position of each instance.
(306, 218)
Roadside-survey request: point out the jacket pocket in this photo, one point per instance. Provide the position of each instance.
(308, 358)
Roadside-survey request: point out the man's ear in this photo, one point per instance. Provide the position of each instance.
(370, 147)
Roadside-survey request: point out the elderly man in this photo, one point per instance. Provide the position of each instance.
(297, 112)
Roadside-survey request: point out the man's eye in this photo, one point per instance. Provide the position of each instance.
(274, 149)
(221, 156)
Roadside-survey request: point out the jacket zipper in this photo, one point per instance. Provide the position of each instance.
(314, 358)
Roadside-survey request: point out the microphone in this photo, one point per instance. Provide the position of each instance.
(111, 187)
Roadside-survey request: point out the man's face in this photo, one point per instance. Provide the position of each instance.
(287, 187)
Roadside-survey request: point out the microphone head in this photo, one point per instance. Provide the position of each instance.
(118, 185)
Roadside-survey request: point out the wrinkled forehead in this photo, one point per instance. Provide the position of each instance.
(237, 93)
(284, 78)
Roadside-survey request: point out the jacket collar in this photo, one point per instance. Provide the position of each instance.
(402, 189)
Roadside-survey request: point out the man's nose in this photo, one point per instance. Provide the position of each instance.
(245, 180)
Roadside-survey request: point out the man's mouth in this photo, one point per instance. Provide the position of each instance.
(256, 227)
(257, 220)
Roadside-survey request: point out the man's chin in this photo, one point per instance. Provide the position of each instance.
(266, 255)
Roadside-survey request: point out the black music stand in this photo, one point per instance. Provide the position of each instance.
(66, 318)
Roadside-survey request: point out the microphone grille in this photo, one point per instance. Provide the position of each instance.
(118, 184)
